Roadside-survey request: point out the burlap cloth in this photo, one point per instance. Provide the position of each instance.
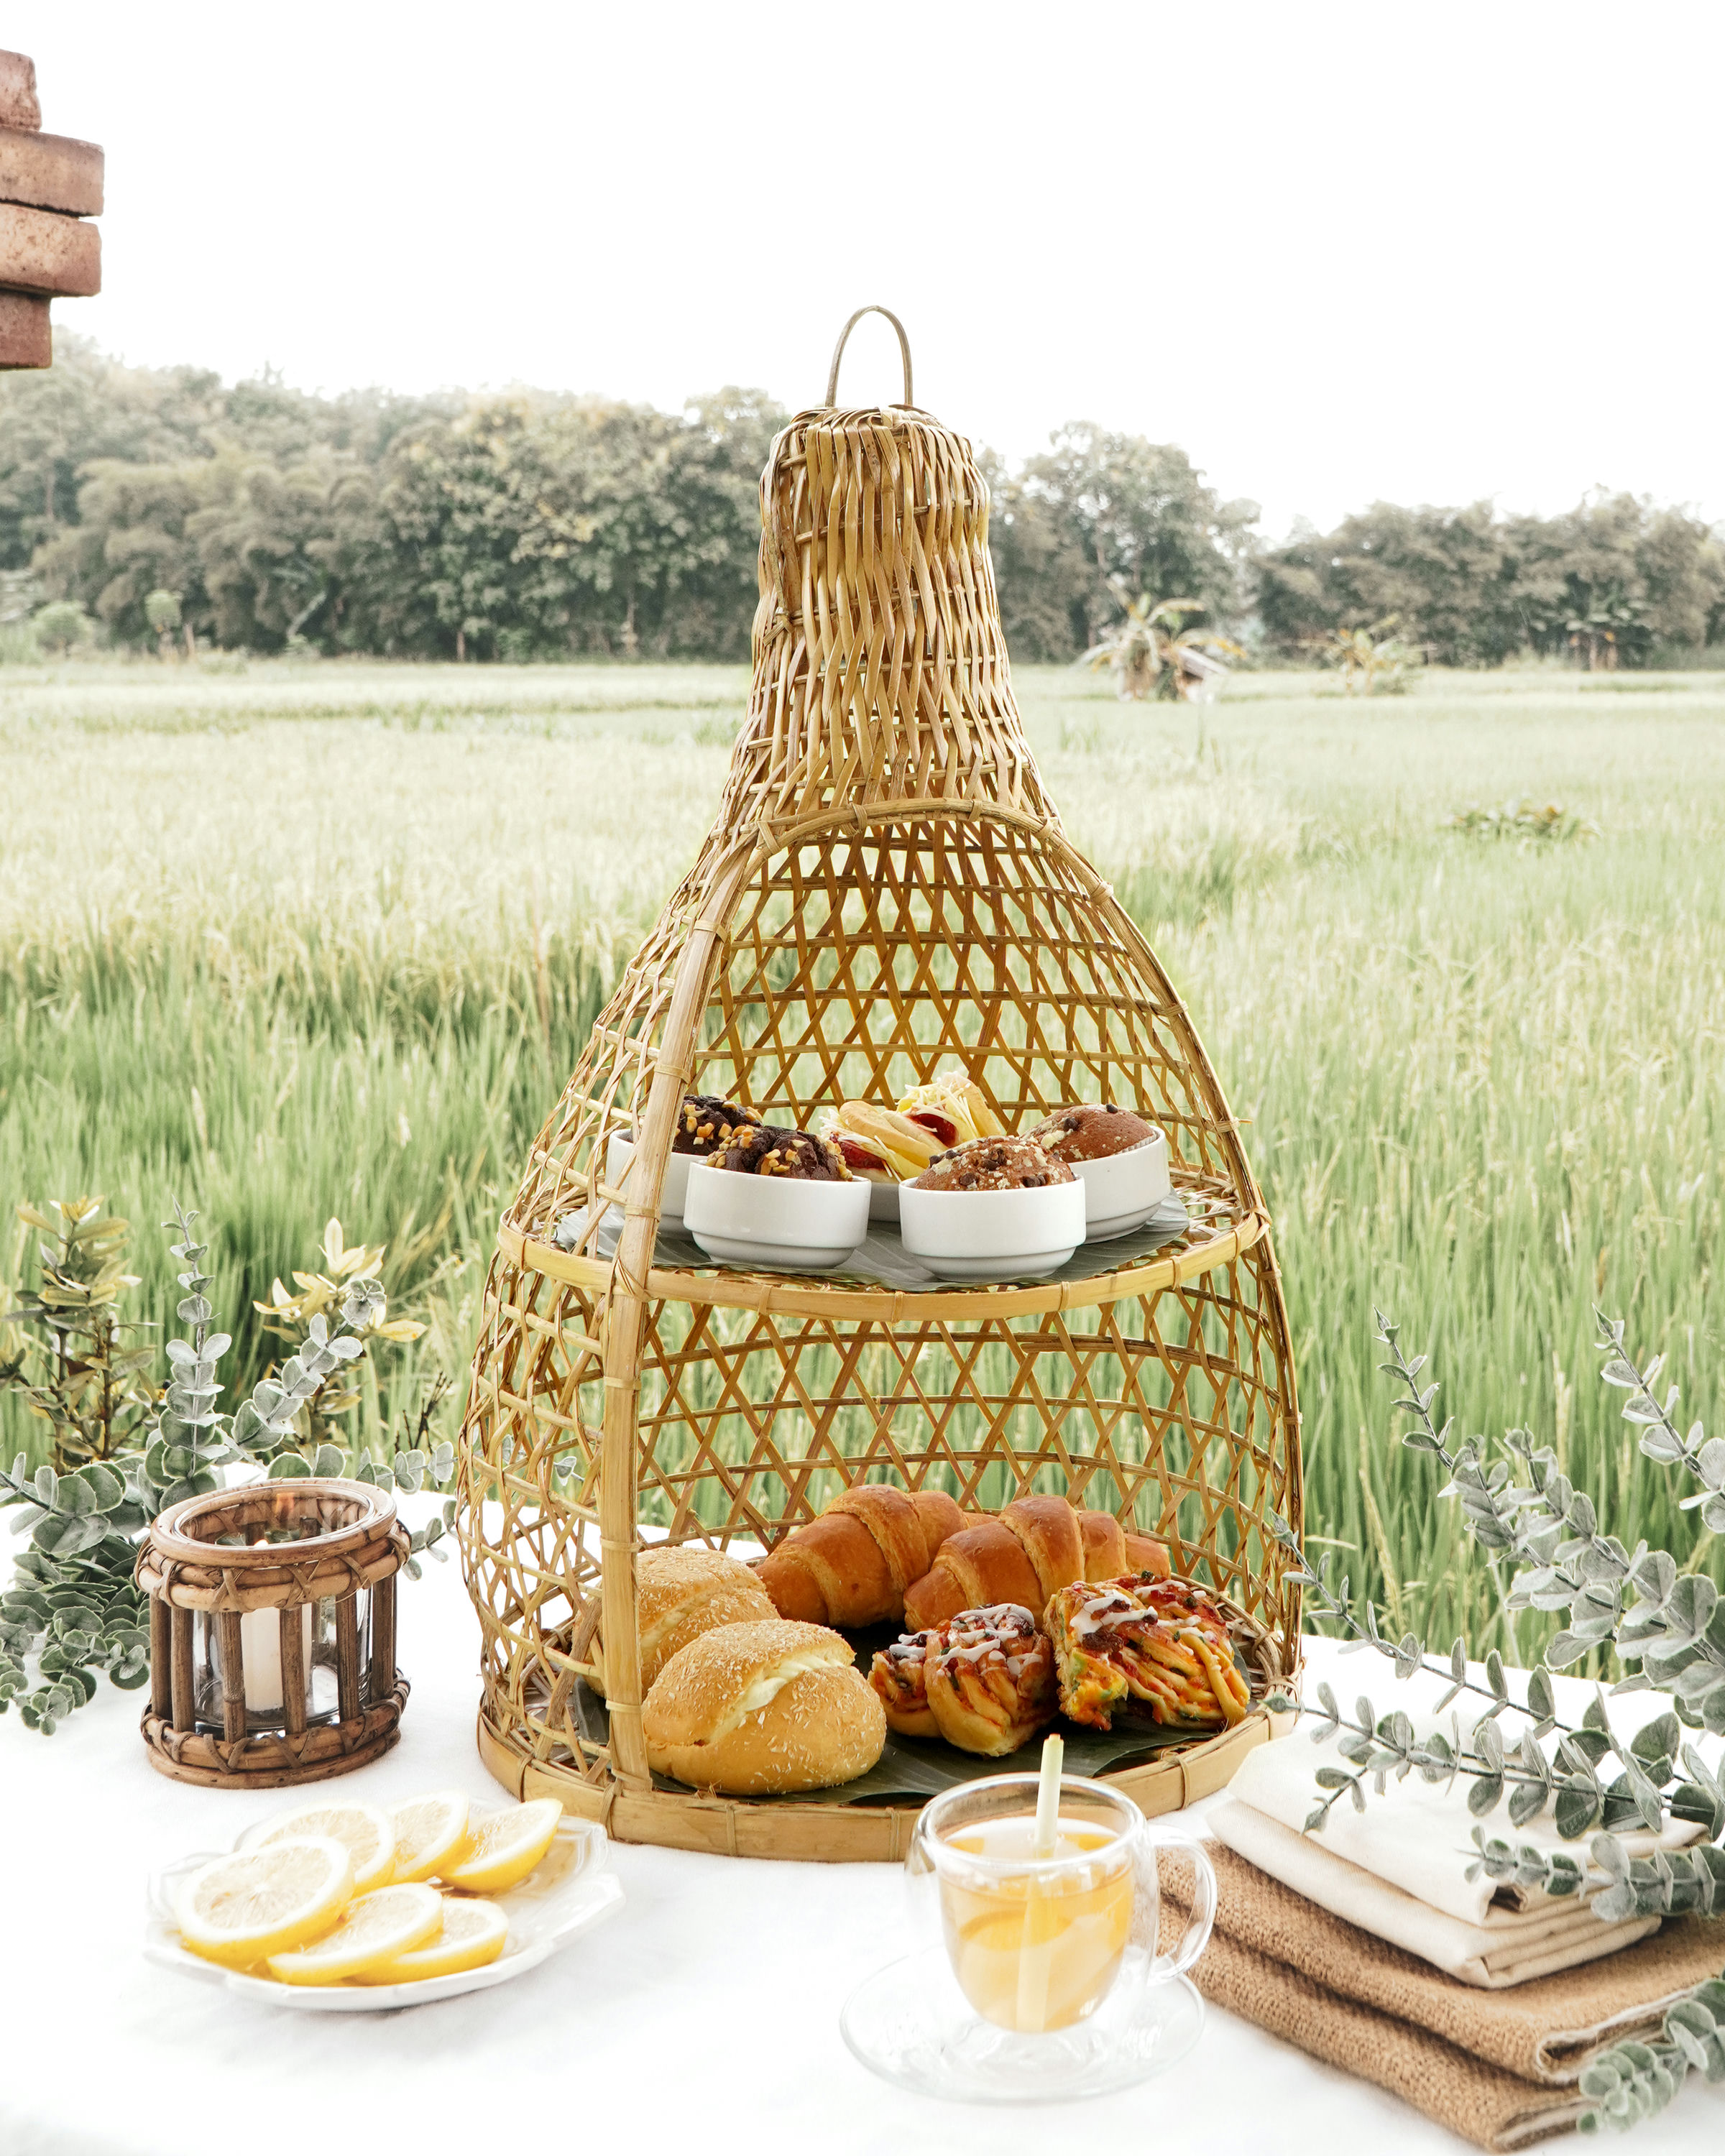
(1497, 2067)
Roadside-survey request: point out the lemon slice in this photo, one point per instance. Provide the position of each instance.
(473, 1934)
(259, 1901)
(505, 1847)
(373, 1927)
(364, 1828)
(429, 1833)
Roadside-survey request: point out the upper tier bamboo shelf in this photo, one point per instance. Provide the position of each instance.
(1209, 1242)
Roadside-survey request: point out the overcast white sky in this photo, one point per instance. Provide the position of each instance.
(1338, 252)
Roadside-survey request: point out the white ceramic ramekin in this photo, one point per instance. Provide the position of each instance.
(774, 1220)
(673, 1192)
(991, 1234)
(1122, 1189)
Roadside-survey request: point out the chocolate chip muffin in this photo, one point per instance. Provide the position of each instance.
(707, 1122)
(1090, 1133)
(765, 1149)
(994, 1164)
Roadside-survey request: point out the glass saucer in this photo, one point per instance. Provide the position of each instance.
(911, 2024)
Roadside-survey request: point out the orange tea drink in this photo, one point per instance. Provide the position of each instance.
(1035, 1942)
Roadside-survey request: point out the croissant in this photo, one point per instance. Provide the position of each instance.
(985, 1682)
(1025, 1553)
(1161, 1643)
(852, 1565)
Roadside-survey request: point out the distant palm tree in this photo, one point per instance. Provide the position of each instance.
(1147, 655)
(1370, 659)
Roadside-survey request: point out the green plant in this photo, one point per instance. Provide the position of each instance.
(1546, 825)
(1148, 654)
(291, 1318)
(72, 1365)
(1371, 660)
(60, 625)
(72, 1605)
(161, 610)
(1665, 1628)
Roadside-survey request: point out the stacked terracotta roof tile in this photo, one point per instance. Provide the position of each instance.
(50, 188)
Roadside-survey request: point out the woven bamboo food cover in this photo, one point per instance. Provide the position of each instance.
(887, 892)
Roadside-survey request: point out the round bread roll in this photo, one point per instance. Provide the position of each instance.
(680, 1594)
(759, 1709)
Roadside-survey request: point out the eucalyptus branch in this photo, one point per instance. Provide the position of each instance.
(1409, 1654)
(1635, 1602)
(1634, 2082)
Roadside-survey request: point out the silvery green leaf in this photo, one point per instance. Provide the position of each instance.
(1565, 1649)
(1315, 1819)
(45, 1483)
(1327, 1701)
(1494, 1674)
(331, 1461)
(193, 1309)
(318, 1331)
(1485, 1794)
(181, 1351)
(409, 1470)
(1333, 1778)
(288, 1466)
(1574, 1811)
(1541, 1700)
(1526, 1801)
(345, 1348)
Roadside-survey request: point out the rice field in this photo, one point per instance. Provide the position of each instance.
(287, 940)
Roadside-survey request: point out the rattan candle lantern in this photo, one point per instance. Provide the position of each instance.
(272, 1632)
(887, 892)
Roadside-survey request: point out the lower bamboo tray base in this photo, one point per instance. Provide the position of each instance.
(834, 1834)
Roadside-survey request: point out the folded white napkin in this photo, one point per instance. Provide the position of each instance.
(1508, 1947)
(1418, 1835)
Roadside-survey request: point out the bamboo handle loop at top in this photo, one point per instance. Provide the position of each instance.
(904, 347)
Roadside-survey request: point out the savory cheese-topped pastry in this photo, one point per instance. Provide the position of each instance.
(899, 1675)
(1162, 1643)
(985, 1680)
(762, 1708)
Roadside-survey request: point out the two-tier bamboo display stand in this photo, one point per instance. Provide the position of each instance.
(887, 891)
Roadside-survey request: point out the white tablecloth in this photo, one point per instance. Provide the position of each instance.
(706, 2012)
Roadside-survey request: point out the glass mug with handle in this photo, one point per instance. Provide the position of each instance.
(1038, 1943)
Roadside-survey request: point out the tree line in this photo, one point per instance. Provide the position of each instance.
(525, 525)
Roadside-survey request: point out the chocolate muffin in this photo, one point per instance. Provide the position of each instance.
(707, 1122)
(765, 1149)
(1090, 1133)
(994, 1164)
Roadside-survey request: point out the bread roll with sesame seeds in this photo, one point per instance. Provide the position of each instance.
(762, 1709)
(680, 1592)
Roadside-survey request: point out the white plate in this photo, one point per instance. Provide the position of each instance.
(568, 1892)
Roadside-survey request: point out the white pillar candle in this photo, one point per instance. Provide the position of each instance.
(261, 1656)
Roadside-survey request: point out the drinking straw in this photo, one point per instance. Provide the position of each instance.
(1036, 1947)
(1047, 1795)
